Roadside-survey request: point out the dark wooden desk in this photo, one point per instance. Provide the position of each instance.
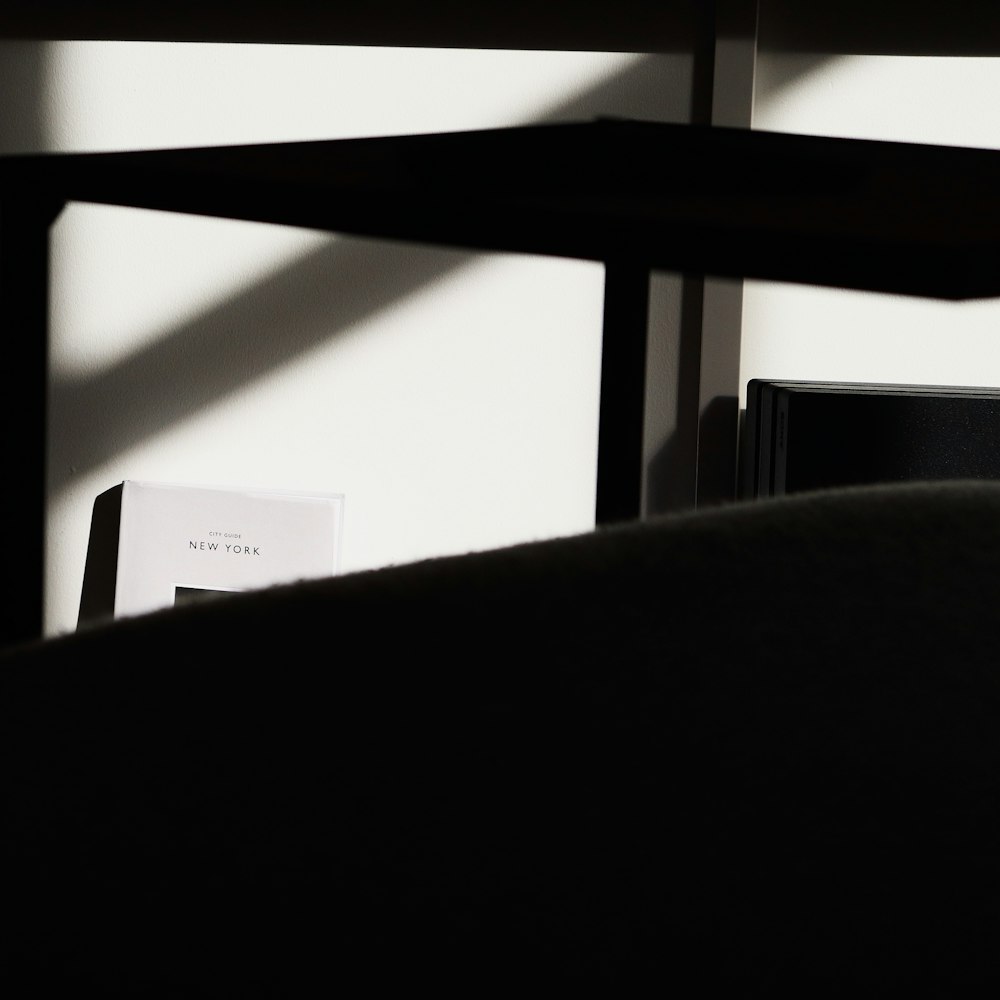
(637, 196)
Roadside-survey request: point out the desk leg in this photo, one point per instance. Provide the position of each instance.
(718, 391)
(24, 271)
(733, 72)
(623, 391)
(692, 390)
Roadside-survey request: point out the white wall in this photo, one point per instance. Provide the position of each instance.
(792, 332)
(452, 397)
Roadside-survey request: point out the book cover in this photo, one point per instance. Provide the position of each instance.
(158, 545)
(802, 435)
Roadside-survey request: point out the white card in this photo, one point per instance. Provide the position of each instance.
(178, 543)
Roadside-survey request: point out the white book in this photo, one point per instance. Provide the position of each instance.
(178, 542)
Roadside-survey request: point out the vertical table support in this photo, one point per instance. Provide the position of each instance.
(24, 282)
(691, 456)
(722, 307)
(696, 320)
(623, 390)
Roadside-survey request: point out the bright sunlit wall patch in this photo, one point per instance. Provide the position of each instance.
(188, 349)
(113, 95)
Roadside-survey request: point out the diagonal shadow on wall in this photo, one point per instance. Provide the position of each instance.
(315, 298)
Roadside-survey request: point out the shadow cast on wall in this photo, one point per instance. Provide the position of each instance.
(97, 417)
(317, 297)
(132, 397)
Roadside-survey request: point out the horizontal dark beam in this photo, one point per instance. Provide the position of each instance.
(894, 217)
(627, 25)
(891, 27)
(881, 27)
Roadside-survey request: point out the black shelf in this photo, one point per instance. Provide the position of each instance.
(638, 196)
(895, 217)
